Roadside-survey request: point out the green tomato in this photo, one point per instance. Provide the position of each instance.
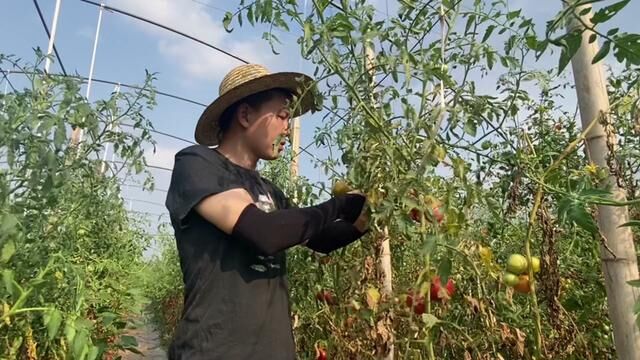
(510, 279)
(516, 264)
(535, 263)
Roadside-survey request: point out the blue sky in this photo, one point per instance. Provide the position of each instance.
(127, 47)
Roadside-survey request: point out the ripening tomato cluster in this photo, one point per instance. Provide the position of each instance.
(326, 296)
(515, 274)
(437, 293)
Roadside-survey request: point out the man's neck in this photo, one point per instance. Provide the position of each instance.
(238, 154)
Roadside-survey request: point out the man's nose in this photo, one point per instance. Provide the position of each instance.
(287, 127)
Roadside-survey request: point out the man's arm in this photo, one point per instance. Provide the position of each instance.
(234, 213)
(224, 209)
(335, 236)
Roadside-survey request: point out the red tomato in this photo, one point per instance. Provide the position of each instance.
(321, 354)
(438, 293)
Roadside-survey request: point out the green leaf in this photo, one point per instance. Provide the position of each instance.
(470, 21)
(250, 15)
(8, 249)
(79, 346)
(585, 11)
(491, 59)
(94, 351)
(70, 330)
(470, 127)
(488, 33)
(127, 341)
(9, 282)
(532, 42)
(429, 320)
(108, 317)
(60, 136)
(631, 223)
(634, 283)
(9, 222)
(513, 14)
(53, 320)
(430, 244)
(604, 50)
(592, 38)
(444, 270)
(608, 12)
(570, 44)
(596, 192)
(459, 168)
(575, 212)
(226, 21)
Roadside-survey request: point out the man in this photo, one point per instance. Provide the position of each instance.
(233, 227)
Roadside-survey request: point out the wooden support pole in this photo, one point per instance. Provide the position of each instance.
(384, 252)
(622, 265)
(295, 147)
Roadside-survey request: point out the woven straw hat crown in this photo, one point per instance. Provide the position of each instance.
(246, 80)
(240, 75)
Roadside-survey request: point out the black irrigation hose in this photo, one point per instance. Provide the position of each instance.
(5, 76)
(83, 78)
(165, 134)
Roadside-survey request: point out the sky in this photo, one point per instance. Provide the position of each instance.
(128, 47)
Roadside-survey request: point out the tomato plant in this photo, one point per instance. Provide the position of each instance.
(409, 122)
(468, 154)
(70, 251)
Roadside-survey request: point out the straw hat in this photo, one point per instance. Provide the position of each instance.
(246, 80)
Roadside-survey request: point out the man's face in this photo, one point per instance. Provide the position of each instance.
(269, 127)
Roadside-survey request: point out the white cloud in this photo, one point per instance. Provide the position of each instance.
(195, 60)
(163, 156)
(86, 33)
(202, 63)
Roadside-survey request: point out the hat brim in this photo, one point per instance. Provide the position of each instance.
(299, 84)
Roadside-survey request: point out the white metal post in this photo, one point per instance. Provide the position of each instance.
(76, 137)
(106, 147)
(6, 83)
(54, 27)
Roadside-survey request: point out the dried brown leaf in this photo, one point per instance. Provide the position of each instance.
(505, 333)
(473, 304)
(520, 341)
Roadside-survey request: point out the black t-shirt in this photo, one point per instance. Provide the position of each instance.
(236, 299)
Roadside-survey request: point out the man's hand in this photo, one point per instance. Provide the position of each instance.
(362, 222)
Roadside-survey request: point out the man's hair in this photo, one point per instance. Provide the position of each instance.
(255, 101)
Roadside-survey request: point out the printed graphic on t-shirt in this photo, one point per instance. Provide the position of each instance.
(266, 204)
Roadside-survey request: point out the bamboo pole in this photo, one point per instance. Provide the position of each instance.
(622, 265)
(384, 264)
(294, 167)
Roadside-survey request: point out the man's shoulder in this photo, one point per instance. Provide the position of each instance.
(196, 149)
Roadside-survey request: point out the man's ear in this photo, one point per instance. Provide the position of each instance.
(243, 115)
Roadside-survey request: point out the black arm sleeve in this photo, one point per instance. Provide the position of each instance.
(278, 230)
(334, 236)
